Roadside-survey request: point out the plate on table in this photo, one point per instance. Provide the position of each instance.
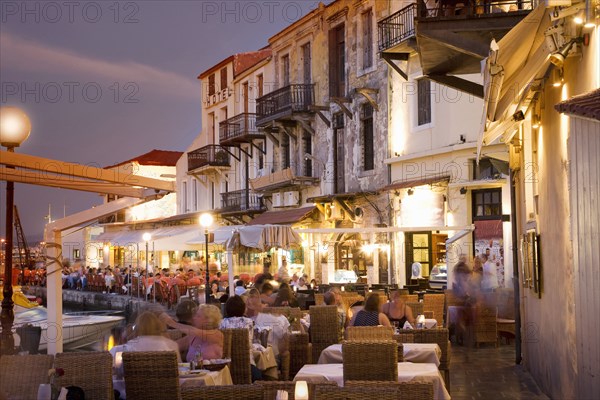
(195, 373)
(216, 364)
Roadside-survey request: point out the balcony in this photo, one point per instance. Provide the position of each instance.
(285, 178)
(241, 200)
(239, 129)
(282, 103)
(449, 39)
(208, 158)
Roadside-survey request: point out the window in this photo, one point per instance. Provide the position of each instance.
(260, 83)
(306, 62)
(367, 23)
(423, 101)
(339, 179)
(261, 156)
(100, 253)
(76, 254)
(489, 169)
(307, 140)
(211, 84)
(285, 152)
(487, 204)
(184, 204)
(223, 78)
(337, 62)
(367, 136)
(195, 194)
(211, 127)
(245, 96)
(285, 69)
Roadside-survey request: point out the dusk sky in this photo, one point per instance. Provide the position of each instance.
(105, 81)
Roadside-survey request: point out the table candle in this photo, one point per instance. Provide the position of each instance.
(301, 392)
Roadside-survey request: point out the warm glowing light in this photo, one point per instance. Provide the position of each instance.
(305, 243)
(15, 127)
(146, 236)
(301, 390)
(206, 220)
(368, 248)
(578, 20)
(111, 343)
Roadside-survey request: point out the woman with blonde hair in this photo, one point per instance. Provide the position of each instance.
(149, 331)
(397, 311)
(203, 336)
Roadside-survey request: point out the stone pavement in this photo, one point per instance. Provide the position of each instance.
(490, 373)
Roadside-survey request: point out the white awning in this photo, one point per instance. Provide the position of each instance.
(513, 63)
(222, 235)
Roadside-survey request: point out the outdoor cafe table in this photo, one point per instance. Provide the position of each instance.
(203, 378)
(413, 352)
(406, 372)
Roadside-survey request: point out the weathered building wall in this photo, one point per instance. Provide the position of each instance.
(551, 346)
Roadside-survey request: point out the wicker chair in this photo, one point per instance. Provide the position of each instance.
(362, 333)
(237, 347)
(91, 371)
(270, 388)
(417, 308)
(485, 327)
(355, 393)
(370, 360)
(226, 392)
(300, 352)
(440, 336)
(435, 302)
(404, 390)
(20, 376)
(151, 375)
(324, 328)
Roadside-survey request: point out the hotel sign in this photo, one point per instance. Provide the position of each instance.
(211, 100)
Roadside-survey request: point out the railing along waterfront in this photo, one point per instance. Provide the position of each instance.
(241, 200)
(284, 101)
(211, 155)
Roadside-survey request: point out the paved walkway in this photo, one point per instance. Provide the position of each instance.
(490, 373)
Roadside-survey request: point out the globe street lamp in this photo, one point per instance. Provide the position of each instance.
(14, 130)
(206, 221)
(146, 236)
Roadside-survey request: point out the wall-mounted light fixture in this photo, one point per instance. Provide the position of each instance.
(535, 121)
(557, 77)
(410, 191)
(463, 190)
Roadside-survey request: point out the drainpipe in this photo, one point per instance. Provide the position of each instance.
(515, 256)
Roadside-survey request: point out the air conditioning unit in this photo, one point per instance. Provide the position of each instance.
(291, 198)
(277, 200)
(333, 213)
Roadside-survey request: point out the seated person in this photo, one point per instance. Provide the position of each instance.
(148, 331)
(266, 295)
(235, 307)
(333, 299)
(397, 311)
(240, 289)
(254, 303)
(185, 312)
(285, 297)
(203, 336)
(371, 315)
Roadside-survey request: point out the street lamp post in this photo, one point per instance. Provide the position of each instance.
(206, 221)
(147, 238)
(14, 130)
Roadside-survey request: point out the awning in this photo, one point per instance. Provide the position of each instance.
(222, 235)
(425, 180)
(513, 63)
(264, 237)
(166, 238)
(286, 217)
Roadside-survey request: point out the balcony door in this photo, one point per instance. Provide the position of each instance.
(337, 62)
(306, 61)
(339, 154)
(418, 249)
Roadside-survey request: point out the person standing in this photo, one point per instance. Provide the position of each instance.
(489, 282)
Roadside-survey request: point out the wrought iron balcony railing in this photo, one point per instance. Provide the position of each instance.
(212, 155)
(284, 102)
(241, 200)
(397, 28)
(241, 128)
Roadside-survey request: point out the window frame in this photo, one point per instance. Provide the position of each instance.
(367, 114)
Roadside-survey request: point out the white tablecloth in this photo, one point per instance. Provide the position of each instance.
(264, 359)
(413, 352)
(406, 372)
(207, 378)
